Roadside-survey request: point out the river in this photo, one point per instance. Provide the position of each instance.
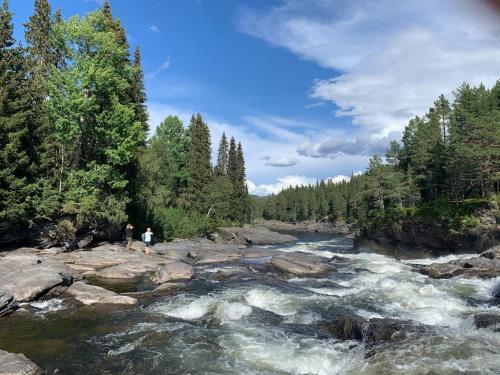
(246, 319)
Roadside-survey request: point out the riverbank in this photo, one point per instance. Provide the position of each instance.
(310, 227)
(211, 308)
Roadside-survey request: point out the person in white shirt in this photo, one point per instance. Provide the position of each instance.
(147, 238)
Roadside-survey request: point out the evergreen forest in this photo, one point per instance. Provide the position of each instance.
(74, 143)
(446, 167)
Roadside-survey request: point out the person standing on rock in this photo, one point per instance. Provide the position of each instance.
(129, 232)
(147, 237)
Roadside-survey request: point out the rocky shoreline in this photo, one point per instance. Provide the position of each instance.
(31, 274)
(312, 227)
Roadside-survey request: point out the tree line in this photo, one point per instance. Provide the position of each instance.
(446, 166)
(73, 136)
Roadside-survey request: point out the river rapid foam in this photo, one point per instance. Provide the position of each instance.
(256, 322)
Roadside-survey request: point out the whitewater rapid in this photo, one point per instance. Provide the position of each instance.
(253, 321)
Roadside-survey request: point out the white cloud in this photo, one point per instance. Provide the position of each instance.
(333, 147)
(281, 161)
(164, 66)
(154, 29)
(394, 57)
(291, 180)
(341, 177)
(282, 183)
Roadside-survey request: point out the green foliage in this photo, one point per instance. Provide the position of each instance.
(446, 168)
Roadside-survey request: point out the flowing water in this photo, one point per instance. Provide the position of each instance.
(244, 319)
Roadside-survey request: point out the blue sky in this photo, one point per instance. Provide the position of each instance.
(310, 87)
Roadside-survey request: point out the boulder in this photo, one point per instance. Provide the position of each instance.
(91, 294)
(7, 303)
(26, 277)
(173, 271)
(486, 320)
(300, 264)
(17, 364)
(384, 330)
(347, 327)
(251, 236)
(492, 253)
(129, 270)
(496, 291)
(481, 266)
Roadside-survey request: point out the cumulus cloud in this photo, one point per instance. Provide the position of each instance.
(164, 66)
(335, 146)
(154, 29)
(282, 183)
(291, 180)
(392, 58)
(280, 161)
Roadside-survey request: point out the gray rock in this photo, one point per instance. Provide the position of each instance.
(487, 320)
(173, 271)
(26, 277)
(251, 236)
(7, 303)
(91, 294)
(481, 266)
(301, 264)
(128, 270)
(492, 253)
(17, 364)
(347, 327)
(383, 331)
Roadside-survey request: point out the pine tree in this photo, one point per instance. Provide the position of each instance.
(241, 189)
(138, 91)
(199, 169)
(17, 167)
(43, 56)
(222, 156)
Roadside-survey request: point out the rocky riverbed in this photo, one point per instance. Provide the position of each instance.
(312, 306)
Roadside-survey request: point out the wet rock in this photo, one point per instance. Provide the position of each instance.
(487, 320)
(129, 270)
(481, 266)
(300, 264)
(496, 291)
(383, 331)
(17, 364)
(173, 271)
(347, 327)
(251, 236)
(492, 253)
(324, 226)
(91, 294)
(26, 277)
(7, 303)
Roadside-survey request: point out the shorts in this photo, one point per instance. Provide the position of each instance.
(148, 243)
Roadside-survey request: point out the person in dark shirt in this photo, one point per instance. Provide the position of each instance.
(129, 232)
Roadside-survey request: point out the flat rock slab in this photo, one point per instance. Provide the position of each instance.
(300, 264)
(487, 265)
(129, 270)
(173, 271)
(251, 236)
(91, 294)
(17, 364)
(26, 277)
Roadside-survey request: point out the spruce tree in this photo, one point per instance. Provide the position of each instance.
(222, 156)
(43, 56)
(17, 168)
(199, 169)
(138, 91)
